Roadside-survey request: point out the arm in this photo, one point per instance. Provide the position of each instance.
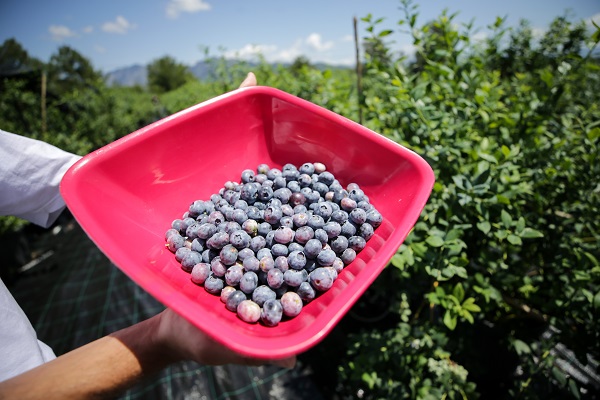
(111, 364)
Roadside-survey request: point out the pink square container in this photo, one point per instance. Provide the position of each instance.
(126, 194)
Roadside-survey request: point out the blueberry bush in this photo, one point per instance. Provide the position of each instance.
(496, 291)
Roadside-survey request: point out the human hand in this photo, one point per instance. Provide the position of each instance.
(183, 341)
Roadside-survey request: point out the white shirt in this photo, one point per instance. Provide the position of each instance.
(30, 174)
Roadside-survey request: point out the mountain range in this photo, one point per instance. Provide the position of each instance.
(137, 74)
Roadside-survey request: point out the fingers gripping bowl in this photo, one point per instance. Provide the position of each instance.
(126, 194)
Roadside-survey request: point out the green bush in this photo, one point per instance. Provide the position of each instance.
(509, 237)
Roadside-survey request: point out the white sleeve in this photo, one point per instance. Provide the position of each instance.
(30, 175)
(20, 349)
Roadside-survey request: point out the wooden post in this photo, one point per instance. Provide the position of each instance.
(44, 82)
(358, 74)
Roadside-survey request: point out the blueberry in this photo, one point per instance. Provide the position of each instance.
(198, 245)
(273, 214)
(358, 216)
(279, 182)
(281, 264)
(226, 292)
(320, 279)
(287, 222)
(333, 229)
(316, 221)
(348, 204)
(304, 234)
(348, 255)
(357, 243)
(241, 205)
(273, 173)
(262, 294)
(283, 235)
(279, 250)
(326, 177)
(249, 193)
(320, 188)
(307, 168)
(321, 236)
(291, 304)
(254, 213)
(324, 210)
(251, 264)
(248, 311)
(297, 260)
(171, 232)
(249, 282)
(175, 242)
(306, 292)
(208, 255)
(190, 259)
(216, 217)
(264, 252)
(234, 300)
(374, 218)
(295, 277)
(338, 265)
(294, 187)
(339, 244)
(213, 285)
(263, 169)
(271, 313)
(228, 254)
(180, 252)
(264, 228)
(300, 209)
(257, 243)
(295, 247)
(262, 178)
(200, 273)
(297, 199)
(311, 265)
(265, 193)
(196, 208)
(250, 226)
(239, 239)
(217, 267)
(239, 216)
(206, 230)
(282, 194)
(247, 176)
(266, 264)
(339, 216)
(326, 257)
(312, 248)
(338, 196)
(245, 253)
(357, 195)
(234, 274)
(275, 278)
(366, 231)
(287, 210)
(348, 229)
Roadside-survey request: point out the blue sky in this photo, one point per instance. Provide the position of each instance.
(114, 34)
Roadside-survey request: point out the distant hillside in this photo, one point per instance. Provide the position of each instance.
(137, 75)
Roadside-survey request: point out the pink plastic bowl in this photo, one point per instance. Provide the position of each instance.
(126, 194)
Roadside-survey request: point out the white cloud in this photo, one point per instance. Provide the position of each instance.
(251, 51)
(99, 49)
(595, 18)
(88, 29)
(60, 32)
(480, 36)
(315, 41)
(348, 38)
(120, 25)
(176, 7)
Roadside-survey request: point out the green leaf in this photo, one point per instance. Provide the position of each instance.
(435, 241)
(520, 225)
(459, 292)
(450, 320)
(521, 347)
(597, 301)
(529, 233)
(506, 219)
(385, 32)
(469, 305)
(514, 239)
(574, 389)
(484, 226)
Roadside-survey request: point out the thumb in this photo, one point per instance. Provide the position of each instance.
(249, 81)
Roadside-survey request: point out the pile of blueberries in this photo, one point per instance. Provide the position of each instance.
(269, 244)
